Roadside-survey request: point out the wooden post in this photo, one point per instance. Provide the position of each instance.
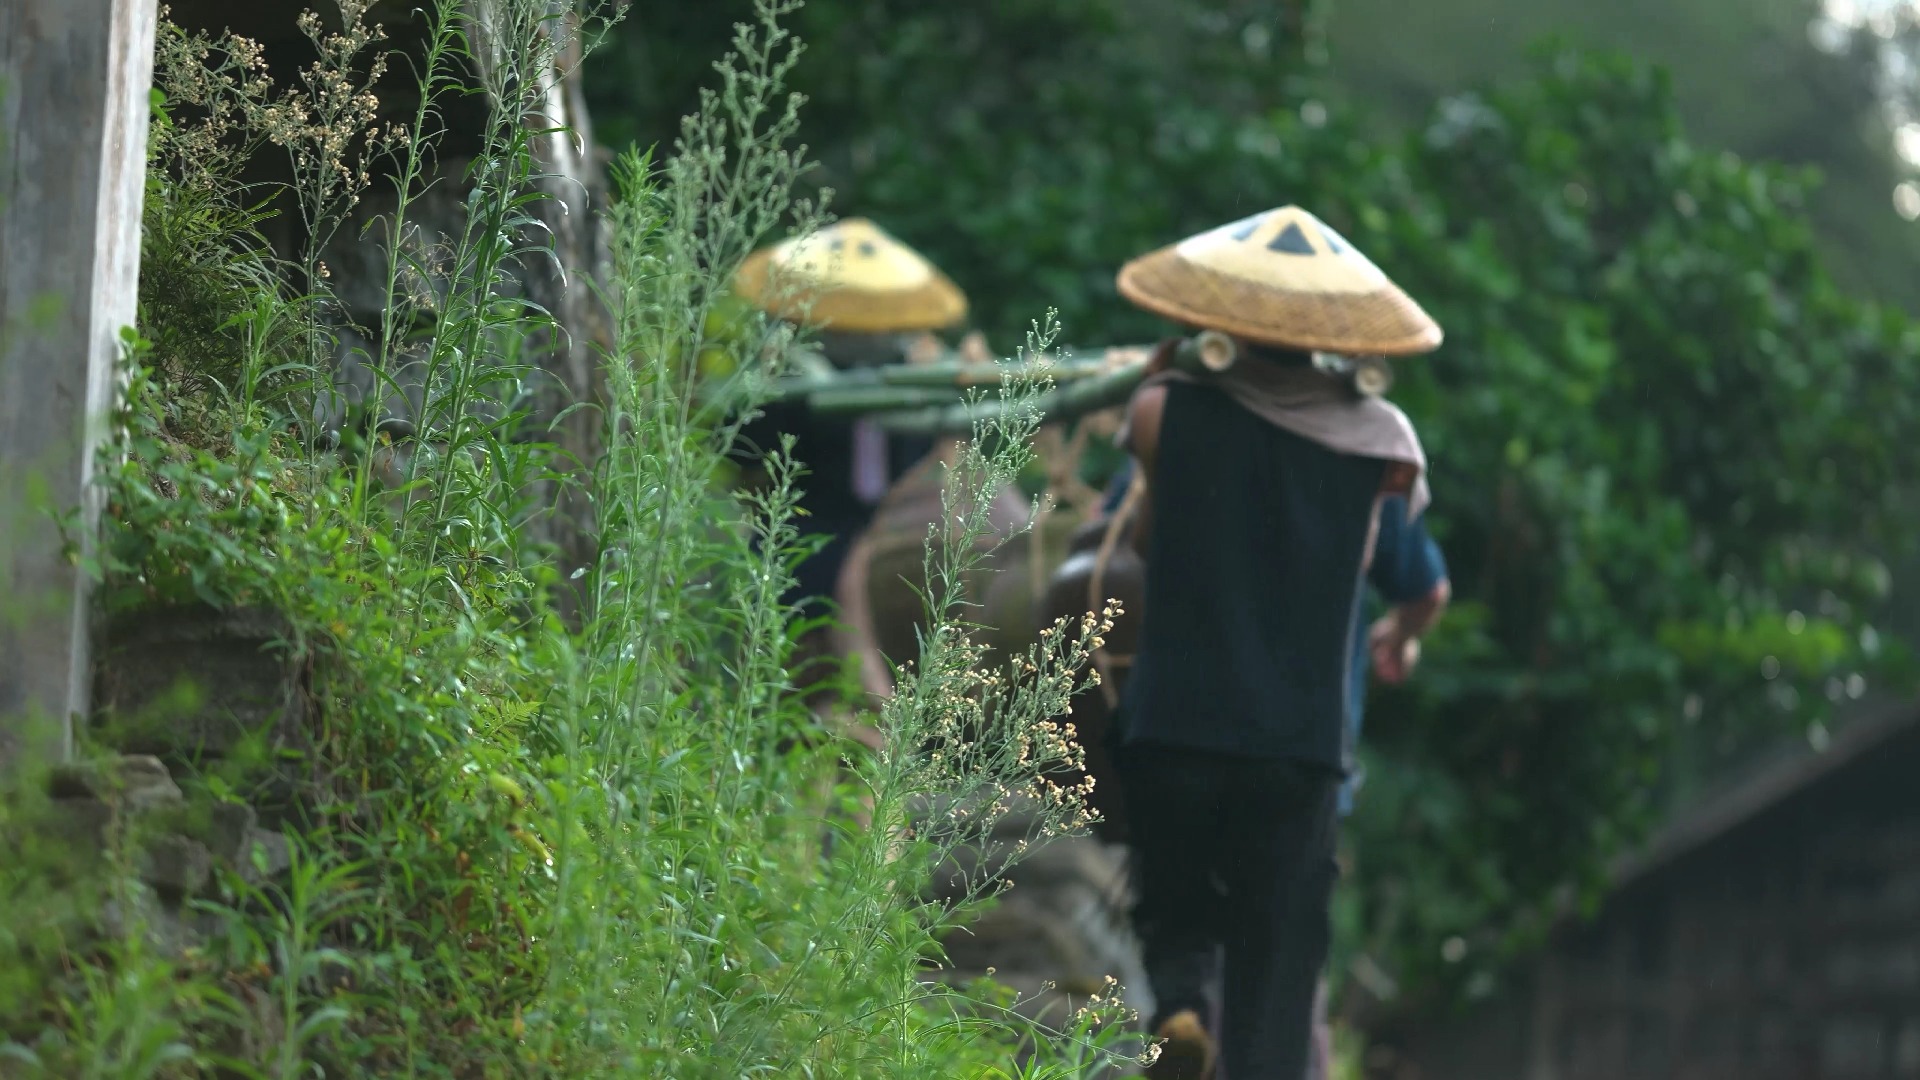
(75, 76)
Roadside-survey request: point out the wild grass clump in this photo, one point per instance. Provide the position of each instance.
(612, 844)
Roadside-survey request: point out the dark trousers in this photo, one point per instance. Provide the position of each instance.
(1236, 855)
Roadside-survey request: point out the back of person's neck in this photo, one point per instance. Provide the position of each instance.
(846, 349)
(1277, 354)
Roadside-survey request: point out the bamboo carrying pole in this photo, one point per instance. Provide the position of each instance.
(947, 395)
(1080, 387)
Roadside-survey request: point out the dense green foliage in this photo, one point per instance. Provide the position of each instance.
(1753, 76)
(1079, 117)
(1026, 148)
(1668, 455)
(1666, 448)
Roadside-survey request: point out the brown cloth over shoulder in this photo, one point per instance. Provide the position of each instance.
(1316, 406)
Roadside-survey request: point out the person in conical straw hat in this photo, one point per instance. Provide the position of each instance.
(873, 300)
(851, 278)
(1259, 479)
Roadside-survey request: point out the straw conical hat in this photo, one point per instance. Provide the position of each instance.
(851, 276)
(1281, 278)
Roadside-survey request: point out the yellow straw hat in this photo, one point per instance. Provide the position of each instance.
(851, 276)
(1281, 278)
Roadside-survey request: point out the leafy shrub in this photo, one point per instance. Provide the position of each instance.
(1668, 466)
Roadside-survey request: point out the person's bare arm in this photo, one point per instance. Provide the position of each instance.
(855, 632)
(1399, 479)
(1143, 437)
(1395, 638)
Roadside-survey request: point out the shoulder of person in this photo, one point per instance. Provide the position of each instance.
(1398, 479)
(1144, 411)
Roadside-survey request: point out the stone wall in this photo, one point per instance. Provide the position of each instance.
(194, 692)
(130, 807)
(186, 794)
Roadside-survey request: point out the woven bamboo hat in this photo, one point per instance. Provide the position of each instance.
(1281, 278)
(851, 276)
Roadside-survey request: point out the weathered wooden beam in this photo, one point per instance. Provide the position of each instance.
(75, 76)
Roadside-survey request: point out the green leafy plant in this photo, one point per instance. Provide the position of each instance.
(522, 844)
(1638, 443)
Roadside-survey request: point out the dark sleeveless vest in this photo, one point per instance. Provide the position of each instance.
(1253, 572)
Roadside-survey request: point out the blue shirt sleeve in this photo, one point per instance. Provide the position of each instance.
(1407, 564)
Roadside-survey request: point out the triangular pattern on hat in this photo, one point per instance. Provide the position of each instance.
(1287, 248)
(853, 276)
(1282, 277)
